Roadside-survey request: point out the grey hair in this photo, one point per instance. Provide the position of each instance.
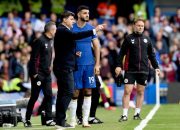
(48, 26)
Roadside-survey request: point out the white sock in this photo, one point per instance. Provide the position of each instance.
(137, 111)
(86, 109)
(125, 112)
(72, 110)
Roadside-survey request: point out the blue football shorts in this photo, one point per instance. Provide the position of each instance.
(84, 77)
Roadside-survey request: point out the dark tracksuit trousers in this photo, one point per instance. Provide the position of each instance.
(35, 90)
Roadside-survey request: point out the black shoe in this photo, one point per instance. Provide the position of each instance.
(95, 121)
(27, 123)
(79, 121)
(137, 117)
(65, 126)
(123, 118)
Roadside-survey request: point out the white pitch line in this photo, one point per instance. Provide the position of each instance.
(144, 122)
(31, 128)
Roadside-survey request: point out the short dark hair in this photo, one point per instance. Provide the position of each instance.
(66, 14)
(81, 7)
(48, 26)
(137, 20)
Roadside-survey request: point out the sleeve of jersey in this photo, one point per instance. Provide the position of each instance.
(122, 53)
(35, 56)
(94, 35)
(152, 56)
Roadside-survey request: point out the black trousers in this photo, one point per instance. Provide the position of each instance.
(65, 82)
(94, 101)
(45, 86)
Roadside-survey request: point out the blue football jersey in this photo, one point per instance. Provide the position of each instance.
(84, 46)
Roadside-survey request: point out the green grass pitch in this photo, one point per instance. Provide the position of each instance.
(166, 118)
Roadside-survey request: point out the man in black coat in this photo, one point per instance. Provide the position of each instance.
(40, 73)
(139, 51)
(65, 63)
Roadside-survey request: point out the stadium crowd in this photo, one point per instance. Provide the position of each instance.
(17, 33)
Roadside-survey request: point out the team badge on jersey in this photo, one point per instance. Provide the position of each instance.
(46, 45)
(132, 41)
(38, 83)
(125, 80)
(145, 40)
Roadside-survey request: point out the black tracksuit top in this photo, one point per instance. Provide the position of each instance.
(64, 46)
(41, 56)
(138, 49)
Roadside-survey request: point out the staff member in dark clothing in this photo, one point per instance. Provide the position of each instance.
(40, 73)
(138, 49)
(64, 63)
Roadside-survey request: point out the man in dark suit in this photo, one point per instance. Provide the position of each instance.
(65, 63)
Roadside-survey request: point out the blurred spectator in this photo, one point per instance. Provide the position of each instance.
(166, 30)
(9, 20)
(15, 68)
(140, 9)
(7, 50)
(161, 44)
(176, 60)
(157, 13)
(101, 37)
(109, 37)
(176, 19)
(174, 35)
(156, 25)
(120, 38)
(53, 17)
(131, 18)
(107, 10)
(169, 69)
(24, 63)
(4, 64)
(13, 30)
(26, 19)
(112, 46)
(22, 44)
(121, 24)
(29, 33)
(40, 23)
(105, 68)
(1, 33)
(1, 46)
(148, 29)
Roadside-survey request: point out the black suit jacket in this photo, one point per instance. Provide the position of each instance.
(64, 46)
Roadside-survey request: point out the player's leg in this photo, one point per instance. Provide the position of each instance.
(79, 107)
(73, 108)
(88, 84)
(94, 103)
(141, 83)
(129, 81)
(47, 91)
(132, 97)
(35, 89)
(73, 103)
(86, 106)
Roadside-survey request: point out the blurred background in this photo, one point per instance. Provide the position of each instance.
(21, 21)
